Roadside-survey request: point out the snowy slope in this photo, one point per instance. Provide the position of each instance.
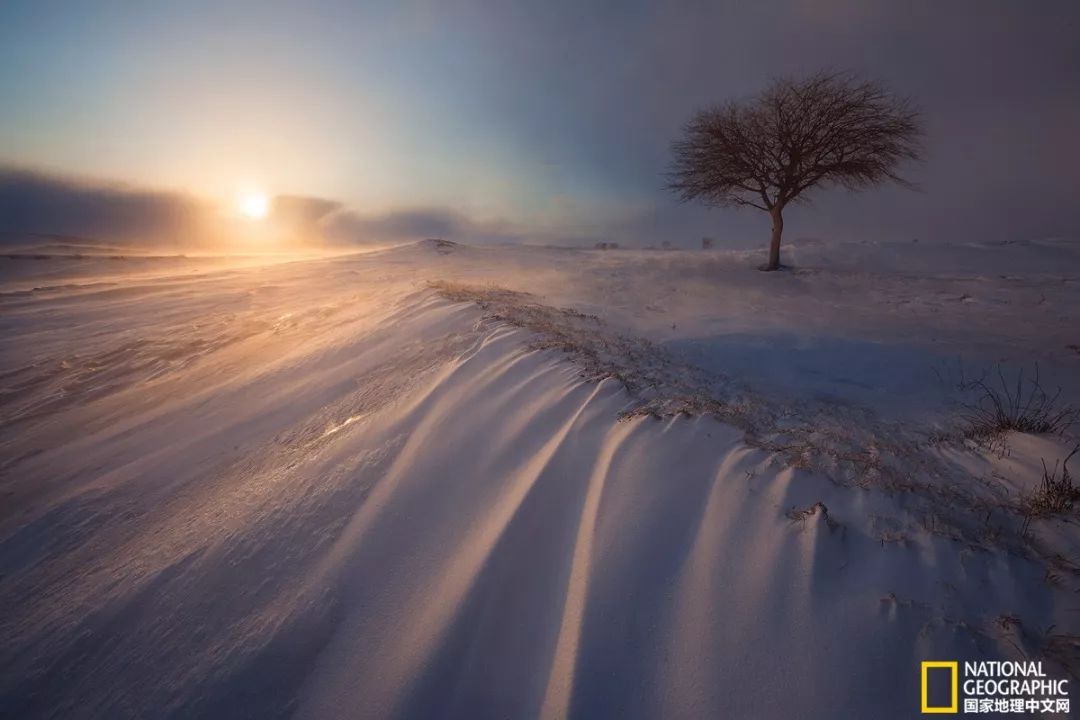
(323, 488)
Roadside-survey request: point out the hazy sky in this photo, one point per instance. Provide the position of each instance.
(551, 115)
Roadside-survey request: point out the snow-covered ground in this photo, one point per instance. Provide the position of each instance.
(450, 481)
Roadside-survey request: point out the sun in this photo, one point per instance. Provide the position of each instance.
(253, 205)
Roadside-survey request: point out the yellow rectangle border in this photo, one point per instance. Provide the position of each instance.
(953, 665)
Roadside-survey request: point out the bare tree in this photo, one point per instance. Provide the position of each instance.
(828, 129)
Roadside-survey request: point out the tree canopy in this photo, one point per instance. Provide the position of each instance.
(828, 129)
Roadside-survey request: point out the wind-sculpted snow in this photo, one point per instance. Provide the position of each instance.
(323, 490)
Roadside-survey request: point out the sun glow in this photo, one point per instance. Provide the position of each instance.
(253, 206)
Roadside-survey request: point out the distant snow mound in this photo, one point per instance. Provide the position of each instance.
(44, 246)
(810, 242)
(1015, 258)
(439, 245)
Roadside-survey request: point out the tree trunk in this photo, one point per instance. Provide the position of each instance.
(777, 230)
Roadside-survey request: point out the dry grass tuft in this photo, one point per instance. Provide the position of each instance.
(1055, 495)
(801, 515)
(849, 445)
(1020, 406)
(1063, 649)
(660, 386)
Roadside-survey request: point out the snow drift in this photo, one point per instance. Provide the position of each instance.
(326, 488)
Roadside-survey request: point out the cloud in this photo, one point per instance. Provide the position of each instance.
(417, 223)
(32, 202)
(314, 219)
(308, 219)
(37, 203)
(301, 212)
(427, 222)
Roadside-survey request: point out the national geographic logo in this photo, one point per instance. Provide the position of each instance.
(991, 687)
(952, 668)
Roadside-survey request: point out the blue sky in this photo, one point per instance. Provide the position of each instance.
(548, 115)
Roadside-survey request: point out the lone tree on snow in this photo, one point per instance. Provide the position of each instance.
(796, 135)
